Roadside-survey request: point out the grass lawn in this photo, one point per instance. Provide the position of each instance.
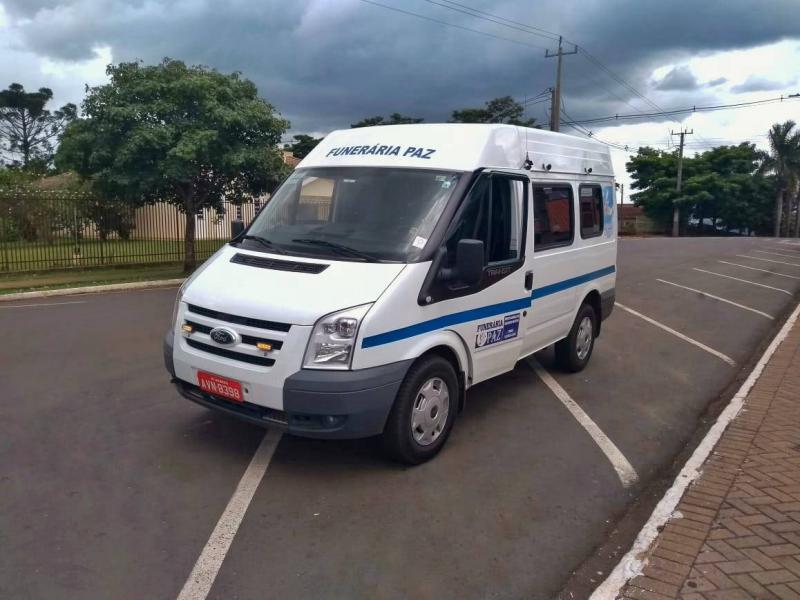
(26, 282)
(61, 254)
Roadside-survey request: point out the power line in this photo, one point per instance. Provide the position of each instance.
(517, 25)
(453, 25)
(479, 14)
(691, 109)
(588, 133)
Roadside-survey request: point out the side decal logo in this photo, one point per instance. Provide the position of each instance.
(497, 330)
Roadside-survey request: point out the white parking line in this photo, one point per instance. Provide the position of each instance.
(678, 334)
(42, 304)
(725, 262)
(625, 471)
(769, 287)
(732, 303)
(777, 253)
(780, 262)
(207, 566)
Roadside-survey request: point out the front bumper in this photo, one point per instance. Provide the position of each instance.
(317, 404)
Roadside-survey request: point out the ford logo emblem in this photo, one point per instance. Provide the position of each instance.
(223, 335)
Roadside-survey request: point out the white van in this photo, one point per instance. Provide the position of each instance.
(395, 268)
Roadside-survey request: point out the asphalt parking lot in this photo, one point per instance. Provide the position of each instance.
(111, 484)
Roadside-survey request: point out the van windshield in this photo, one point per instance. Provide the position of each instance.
(354, 213)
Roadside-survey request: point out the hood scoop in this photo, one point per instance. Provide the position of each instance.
(275, 264)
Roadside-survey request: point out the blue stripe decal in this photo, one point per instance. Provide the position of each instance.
(568, 283)
(480, 313)
(446, 321)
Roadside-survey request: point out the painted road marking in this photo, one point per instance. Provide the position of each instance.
(634, 560)
(780, 262)
(725, 262)
(678, 334)
(43, 304)
(208, 564)
(732, 303)
(769, 287)
(625, 471)
(777, 253)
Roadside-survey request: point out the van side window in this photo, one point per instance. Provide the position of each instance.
(493, 213)
(591, 207)
(553, 217)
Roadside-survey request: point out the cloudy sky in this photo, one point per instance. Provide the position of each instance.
(327, 63)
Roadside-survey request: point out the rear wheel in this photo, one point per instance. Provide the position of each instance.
(575, 350)
(423, 412)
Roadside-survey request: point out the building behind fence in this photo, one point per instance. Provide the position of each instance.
(58, 229)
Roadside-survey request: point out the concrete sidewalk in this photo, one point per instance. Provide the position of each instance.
(736, 531)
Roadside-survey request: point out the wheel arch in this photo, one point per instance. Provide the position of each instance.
(592, 297)
(451, 347)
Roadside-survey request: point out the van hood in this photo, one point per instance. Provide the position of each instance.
(273, 294)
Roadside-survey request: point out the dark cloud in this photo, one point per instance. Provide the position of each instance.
(328, 63)
(717, 81)
(679, 78)
(756, 83)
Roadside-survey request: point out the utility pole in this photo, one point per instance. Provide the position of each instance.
(555, 99)
(676, 212)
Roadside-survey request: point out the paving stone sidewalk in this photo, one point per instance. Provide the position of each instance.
(737, 534)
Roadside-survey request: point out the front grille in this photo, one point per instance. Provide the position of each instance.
(248, 358)
(246, 339)
(250, 322)
(278, 265)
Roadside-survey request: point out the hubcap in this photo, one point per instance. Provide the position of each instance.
(584, 339)
(430, 411)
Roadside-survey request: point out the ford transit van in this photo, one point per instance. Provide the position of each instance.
(394, 269)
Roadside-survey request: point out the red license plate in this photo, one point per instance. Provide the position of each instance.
(220, 386)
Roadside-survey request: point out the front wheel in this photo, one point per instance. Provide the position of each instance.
(423, 412)
(575, 350)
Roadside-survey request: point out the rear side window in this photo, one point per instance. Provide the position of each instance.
(591, 207)
(553, 217)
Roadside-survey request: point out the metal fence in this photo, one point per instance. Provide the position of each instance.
(43, 230)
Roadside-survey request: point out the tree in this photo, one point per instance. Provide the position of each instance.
(27, 128)
(723, 187)
(784, 161)
(302, 145)
(187, 135)
(394, 119)
(500, 110)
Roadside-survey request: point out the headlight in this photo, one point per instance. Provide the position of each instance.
(177, 306)
(333, 339)
(189, 280)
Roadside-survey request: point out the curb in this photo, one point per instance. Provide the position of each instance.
(92, 289)
(633, 562)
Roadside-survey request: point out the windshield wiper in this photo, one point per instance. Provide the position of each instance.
(264, 242)
(340, 247)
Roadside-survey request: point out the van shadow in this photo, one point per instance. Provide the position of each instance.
(489, 405)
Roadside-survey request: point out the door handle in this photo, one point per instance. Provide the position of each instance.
(529, 280)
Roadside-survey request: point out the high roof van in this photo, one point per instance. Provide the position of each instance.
(394, 269)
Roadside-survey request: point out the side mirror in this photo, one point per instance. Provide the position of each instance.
(237, 227)
(469, 261)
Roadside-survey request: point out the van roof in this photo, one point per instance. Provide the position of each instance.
(460, 147)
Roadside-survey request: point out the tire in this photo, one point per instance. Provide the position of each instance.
(572, 353)
(421, 419)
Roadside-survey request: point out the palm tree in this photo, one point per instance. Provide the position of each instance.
(784, 161)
